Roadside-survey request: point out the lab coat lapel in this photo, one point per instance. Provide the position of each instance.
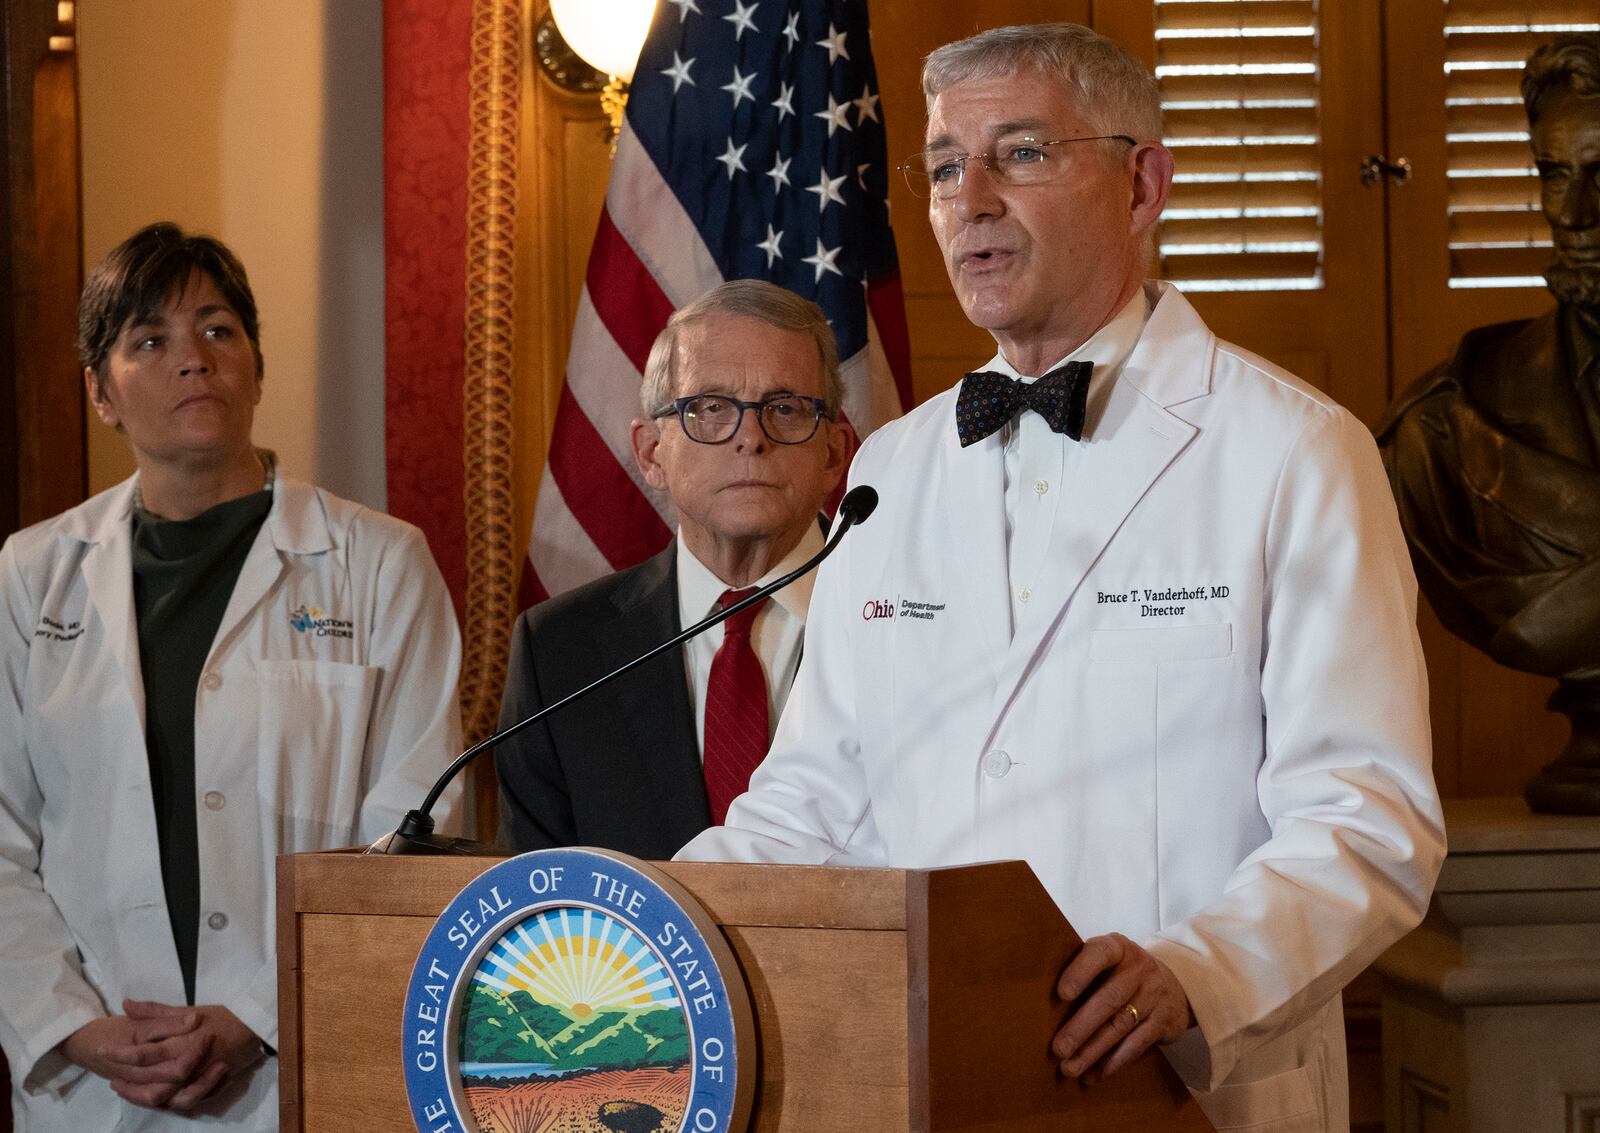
(975, 484)
(108, 575)
(297, 524)
(1130, 439)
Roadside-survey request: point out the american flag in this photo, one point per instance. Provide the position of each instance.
(753, 148)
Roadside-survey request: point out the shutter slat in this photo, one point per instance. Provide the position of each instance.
(1473, 156)
(1500, 263)
(1499, 226)
(1267, 122)
(1495, 192)
(1499, 13)
(1262, 160)
(1183, 89)
(1232, 14)
(1245, 195)
(1241, 234)
(1248, 52)
(1253, 266)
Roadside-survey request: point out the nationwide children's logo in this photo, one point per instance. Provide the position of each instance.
(310, 619)
(577, 990)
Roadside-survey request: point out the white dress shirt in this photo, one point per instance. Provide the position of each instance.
(777, 635)
(1037, 459)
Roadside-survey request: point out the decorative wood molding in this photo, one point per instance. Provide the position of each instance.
(494, 556)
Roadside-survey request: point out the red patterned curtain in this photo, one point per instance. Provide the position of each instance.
(426, 61)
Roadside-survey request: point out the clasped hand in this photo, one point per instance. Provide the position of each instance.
(1101, 1035)
(164, 1057)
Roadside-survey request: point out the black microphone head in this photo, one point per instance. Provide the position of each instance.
(858, 503)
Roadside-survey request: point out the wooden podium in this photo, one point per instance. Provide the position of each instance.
(885, 1000)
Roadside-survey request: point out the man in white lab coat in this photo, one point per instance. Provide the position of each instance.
(1134, 607)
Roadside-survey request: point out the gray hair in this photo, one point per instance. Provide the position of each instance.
(1118, 93)
(1567, 63)
(753, 299)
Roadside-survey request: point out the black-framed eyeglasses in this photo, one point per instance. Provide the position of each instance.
(712, 419)
(1026, 161)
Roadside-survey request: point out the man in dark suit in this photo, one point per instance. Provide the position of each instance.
(741, 396)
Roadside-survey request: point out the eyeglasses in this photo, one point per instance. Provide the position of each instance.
(938, 173)
(711, 419)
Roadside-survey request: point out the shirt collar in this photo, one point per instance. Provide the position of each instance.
(1108, 348)
(700, 590)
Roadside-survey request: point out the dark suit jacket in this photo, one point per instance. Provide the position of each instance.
(619, 769)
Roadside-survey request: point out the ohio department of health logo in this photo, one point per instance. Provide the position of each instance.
(577, 990)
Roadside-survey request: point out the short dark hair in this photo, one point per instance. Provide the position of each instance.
(1569, 62)
(140, 275)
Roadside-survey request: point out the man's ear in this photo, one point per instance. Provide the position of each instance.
(842, 445)
(102, 408)
(646, 438)
(1152, 182)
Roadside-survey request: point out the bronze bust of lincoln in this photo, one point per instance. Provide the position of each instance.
(1495, 455)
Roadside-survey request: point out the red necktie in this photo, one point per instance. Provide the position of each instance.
(736, 710)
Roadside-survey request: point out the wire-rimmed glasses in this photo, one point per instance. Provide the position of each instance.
(1026, 161)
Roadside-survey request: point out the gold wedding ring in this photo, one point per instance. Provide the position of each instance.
(1132, 1010)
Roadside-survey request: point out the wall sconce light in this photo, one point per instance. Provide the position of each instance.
(589, 45)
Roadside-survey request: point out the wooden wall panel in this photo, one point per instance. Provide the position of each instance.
(42, 424)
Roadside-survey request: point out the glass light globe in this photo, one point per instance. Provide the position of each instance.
(606, 34)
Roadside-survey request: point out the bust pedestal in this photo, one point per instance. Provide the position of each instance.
(1491, 1008)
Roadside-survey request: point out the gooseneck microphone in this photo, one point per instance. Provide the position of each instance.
(415, 834)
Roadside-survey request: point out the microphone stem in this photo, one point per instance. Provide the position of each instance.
(844, 524)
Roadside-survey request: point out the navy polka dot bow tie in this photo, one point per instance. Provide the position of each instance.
(988, 400)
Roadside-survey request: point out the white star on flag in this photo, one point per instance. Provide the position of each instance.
(679, 71)
(836, 114)
(861, 174)
(684, 8)
(792, 32)
(742, 19)
(867, 105)
(770, 245)
(835, 45)
(734, 158)
(823, 260)
(785, 100)
(826, 191)
(779, 172)
(740, 87)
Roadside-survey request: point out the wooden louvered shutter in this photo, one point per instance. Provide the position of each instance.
(1468, 244)
(1239, 86)
(1498, 236)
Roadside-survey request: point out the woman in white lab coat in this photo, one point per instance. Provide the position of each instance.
(201, 668)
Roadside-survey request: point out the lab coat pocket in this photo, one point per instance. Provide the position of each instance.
(314, 720)
(1162, 643)
(1281, 1103)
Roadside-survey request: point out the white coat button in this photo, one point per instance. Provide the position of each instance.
(215, 800)
(1040, 487)
(1025, 593)
(218, 921)
(996, 764)
(212, 682)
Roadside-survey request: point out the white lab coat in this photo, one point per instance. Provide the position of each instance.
(305, 738)
(1241, 783)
